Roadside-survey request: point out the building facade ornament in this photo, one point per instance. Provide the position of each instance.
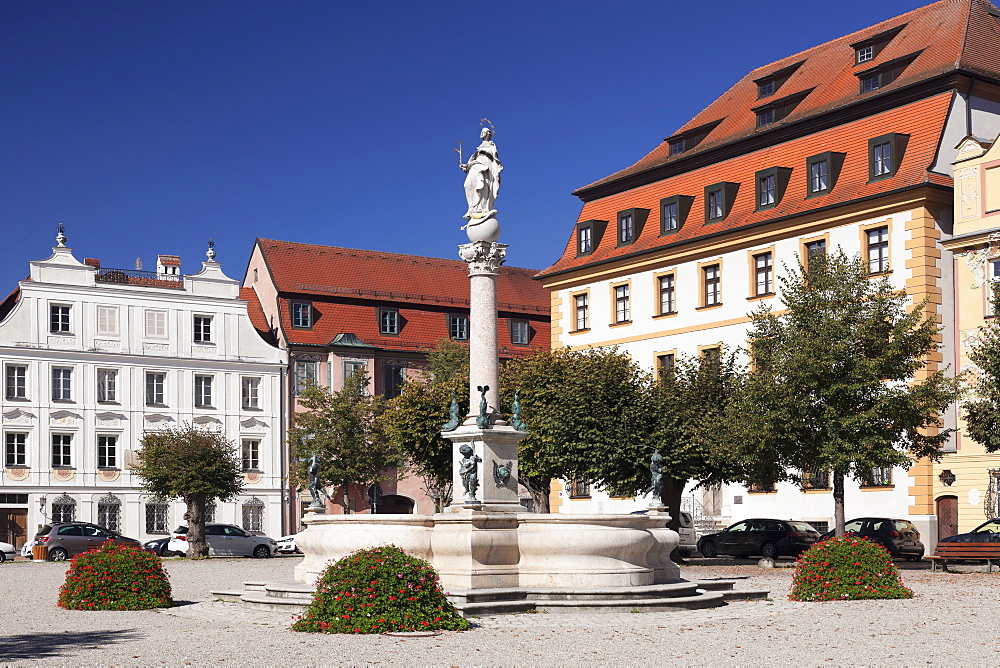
(484, 257)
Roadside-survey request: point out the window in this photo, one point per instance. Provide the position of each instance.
(864, 54)
(665, 364)
(59, 319)
(880, 476)
(62, 450)
(458, 327)
(878, 250)
(765, 89)
(306, 374)
(107, 385)
(154, 388)
(816, 478)
(667, 294)
(582, 311)
(251, 454)
(302, 315)
(109, 513)
(584, 240)
(156, 324)
(203, 391)
(15, 449)
(253, 516)
(388, 321)
(765, 117)
(713, 280)
(623, 312)
(819, 176)
(884, 74)
(814, 249)
(719, 198)
(869, 83)
(520, 332)
(671, 221)
(764, 274)
(885, 154)
(107, 320)
(765, 191)
(156, 517)
(63, 510)
(210, 509)
(769, 84)
(625, 230)
(107, 452)
(393, 376)
(579, 488)
(673, 212)
(676, 147)
(250, 393)
(352, 369)
(62, 384)
(16, 381)
(761, 488)
(202, 329)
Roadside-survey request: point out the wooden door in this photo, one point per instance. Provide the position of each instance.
(14, 526)
(947, 516)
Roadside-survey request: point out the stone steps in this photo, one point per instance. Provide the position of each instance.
(294, 597)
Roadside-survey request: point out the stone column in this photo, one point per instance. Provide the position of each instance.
(484, 258)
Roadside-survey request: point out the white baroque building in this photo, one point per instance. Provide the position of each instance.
(95, 357)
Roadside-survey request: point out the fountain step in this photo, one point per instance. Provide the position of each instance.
(485, 608)
(230, 596)
(672, 590)
(746, 595)
(695, 602)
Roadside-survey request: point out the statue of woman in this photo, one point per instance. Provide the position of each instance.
(655, 475)
(482, 182)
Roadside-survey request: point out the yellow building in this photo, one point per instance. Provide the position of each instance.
(965, 482)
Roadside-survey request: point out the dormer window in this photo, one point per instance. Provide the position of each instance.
(688, 139)
(884, 155)
(769, 85)
(771, 184)
(584, 238)
(719, 198)
(878, 77)
(765, 89)
(676, 146)
(673, 213)
(867, 50)
(776, 110)
(822, 171)
(588, 236)
(765, 117)
(630, 224)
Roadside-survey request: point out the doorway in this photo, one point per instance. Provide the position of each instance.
(947, 516)
(14, 526)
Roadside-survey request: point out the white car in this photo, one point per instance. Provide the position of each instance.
(226, 540)
(286, 545)
(7, 551)
(26, 549)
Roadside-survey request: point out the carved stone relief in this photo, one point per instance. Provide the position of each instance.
(253, 424)
(18, 416)
(157, 421)
(109, 419)
(17, 474)
(155, 347)
(64, 419)
(968, 192)
(61, 341)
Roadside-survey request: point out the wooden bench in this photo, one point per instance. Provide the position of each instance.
(988, 552)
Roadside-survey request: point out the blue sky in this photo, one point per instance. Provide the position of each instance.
(149, 127)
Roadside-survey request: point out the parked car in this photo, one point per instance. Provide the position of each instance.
(768, 538)
(26, 549)
(899, 537)
(226, 540)
(286, 545)
(160, 547)
(68, 539)
(987, 532)
(7, 551)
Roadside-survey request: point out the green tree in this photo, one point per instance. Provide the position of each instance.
(579, 406)
(982, 413)
(345, 430)
(194, 464)
(413, 420)
(840, 377)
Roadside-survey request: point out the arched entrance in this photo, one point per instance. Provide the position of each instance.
(394, 504)
(947, 516)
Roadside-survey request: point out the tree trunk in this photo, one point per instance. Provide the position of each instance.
(838, 503)
(670, 496)
(195, 516)
(539, 494)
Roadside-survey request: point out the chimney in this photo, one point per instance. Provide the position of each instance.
(92, 262)
(168, 264)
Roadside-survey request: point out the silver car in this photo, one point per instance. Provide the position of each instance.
(226, 540)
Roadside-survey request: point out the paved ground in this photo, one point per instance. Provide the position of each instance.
(952, 619)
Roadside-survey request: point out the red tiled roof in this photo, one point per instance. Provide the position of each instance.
(923, 121)
(347, 286)
(256, 313)
(946, 36)
(169, 260)
(7, 305)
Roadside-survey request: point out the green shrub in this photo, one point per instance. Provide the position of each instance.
(848, 568)
(115, 577)
(376, 590)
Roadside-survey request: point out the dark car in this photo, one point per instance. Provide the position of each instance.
(987, 532)
(899, 537)
(160, 547)
(768, 538)
(68, 539)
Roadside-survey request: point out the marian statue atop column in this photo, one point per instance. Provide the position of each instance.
(482, 183)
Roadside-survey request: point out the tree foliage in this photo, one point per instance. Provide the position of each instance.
(833, 385)
(345, 430)
(982, 413)
(580, 407)
(413, 419)
(194, 464)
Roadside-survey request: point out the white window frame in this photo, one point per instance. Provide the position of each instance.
(15, 448)
(388, 321)
(62, 383)
(302, 315)
(62, 452)
(623, 304)
(250, 453)
(250, 392)
(458, 327)
(305, 371)
(202, 329)
(520, 332)
(15, 383)
(156, 382)
(157, 515)
(584, 240)
(581, 305)
(667, 288)
(878, 249)
(107, 320)
(60, 319)
(763, 267)
(107, 385)
(203, 391)
(107, 451)
(156, 324)
(819, 179)
(713, 284)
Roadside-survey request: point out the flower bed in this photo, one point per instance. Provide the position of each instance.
(115, 577)
(376, 590)
(844, 569)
